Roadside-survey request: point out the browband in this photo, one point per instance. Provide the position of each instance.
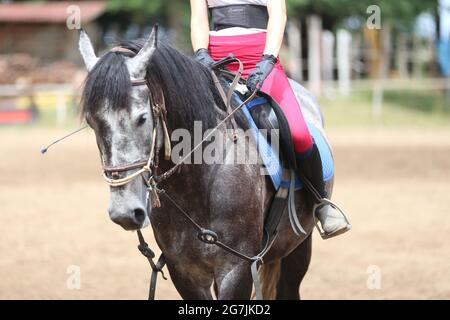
(123, 50)
(134, 83)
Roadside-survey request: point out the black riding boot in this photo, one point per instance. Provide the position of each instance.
(309, 168)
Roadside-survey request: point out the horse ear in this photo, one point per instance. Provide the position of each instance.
(87, 50)
(138, 64)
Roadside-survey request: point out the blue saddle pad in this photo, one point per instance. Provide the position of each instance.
(270, 158)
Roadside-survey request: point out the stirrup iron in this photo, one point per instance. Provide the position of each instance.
(323, 234)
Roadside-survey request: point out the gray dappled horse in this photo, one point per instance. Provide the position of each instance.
(232, 200)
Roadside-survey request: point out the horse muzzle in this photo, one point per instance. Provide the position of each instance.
(133, 219)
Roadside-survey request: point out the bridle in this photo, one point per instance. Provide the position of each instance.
(159, 116)
(145, 168)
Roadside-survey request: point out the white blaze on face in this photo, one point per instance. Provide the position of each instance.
(129, 140)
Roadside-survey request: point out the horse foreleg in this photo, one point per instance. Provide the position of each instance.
(189, 286)
(235, 283)
(293, 270)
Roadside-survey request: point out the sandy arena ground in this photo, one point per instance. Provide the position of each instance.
(395, 185)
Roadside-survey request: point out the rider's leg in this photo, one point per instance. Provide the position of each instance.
(309, 163)
(310, 167)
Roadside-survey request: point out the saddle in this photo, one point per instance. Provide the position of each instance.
(267, 114)
(263, 112)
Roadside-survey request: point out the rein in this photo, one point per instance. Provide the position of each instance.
(149, 166)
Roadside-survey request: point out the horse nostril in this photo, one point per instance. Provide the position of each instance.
(139, 215)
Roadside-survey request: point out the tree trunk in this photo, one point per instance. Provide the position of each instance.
(402, 55)
(314, 70)
(327, 60)
(385, 56)
(295, 50)
(344, 44)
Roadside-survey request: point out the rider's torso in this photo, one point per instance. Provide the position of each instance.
(236, 30)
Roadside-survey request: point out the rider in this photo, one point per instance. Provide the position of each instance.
(252, 30)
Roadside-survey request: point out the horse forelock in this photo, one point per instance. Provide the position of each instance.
(108, 83)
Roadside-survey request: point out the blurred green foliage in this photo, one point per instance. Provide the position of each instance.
(396, 11)
(175, 14)
(141, 10)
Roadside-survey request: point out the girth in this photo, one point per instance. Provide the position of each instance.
(244, 16)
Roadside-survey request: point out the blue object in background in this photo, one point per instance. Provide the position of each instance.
(443, 52)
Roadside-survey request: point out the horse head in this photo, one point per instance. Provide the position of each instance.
(116, 106)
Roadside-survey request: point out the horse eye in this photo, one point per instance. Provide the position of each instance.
(142, 120)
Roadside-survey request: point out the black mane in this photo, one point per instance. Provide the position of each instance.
(187, 85)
